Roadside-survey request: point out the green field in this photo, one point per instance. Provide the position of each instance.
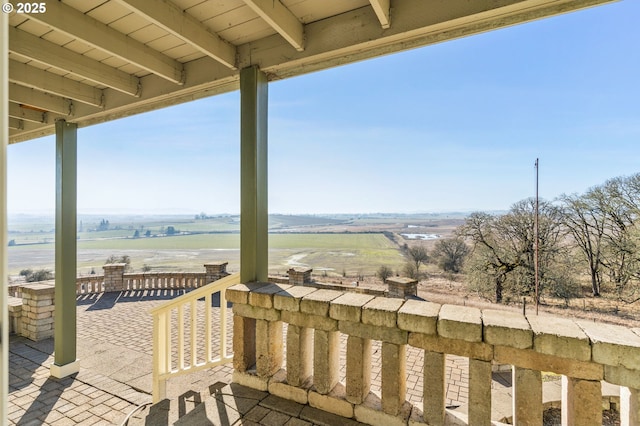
(349, 253)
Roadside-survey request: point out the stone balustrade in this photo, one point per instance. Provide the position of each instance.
(31, 305)
(583, 352)
(115, 279)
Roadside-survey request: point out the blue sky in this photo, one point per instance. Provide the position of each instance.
(451, 127)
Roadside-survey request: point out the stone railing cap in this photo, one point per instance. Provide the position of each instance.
(460, 322)
(507, 328)
(289, 299)
(382, 311)
(348, 307)
(419, 316)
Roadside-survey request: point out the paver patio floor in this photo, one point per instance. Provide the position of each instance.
(115, 352)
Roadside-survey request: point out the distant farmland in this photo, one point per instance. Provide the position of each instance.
(350, 253)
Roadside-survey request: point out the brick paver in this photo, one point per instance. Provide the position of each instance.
(115, 352)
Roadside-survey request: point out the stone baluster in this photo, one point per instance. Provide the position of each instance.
(268, 347)
(527, 396)
(299, 355)
(434, 388)
(479, 392)
(326, 350)
(358, 369)
(394, 386)
(581, 402)
(629, 406)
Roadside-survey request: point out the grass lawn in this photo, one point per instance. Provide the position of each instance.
(348, 253)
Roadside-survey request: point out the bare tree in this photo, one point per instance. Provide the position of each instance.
(584, 217)
(384, 272)
(418, 256)
(450, 253)
(502, 257)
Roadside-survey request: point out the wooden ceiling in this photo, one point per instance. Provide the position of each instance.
(90, 61)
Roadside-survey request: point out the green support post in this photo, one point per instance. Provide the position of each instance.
(254, 244)
(65, 362)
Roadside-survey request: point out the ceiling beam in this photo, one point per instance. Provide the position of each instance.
(44, 51)
(281, 19)
(172, 19)
(382, 9)
(15, 123)
(76, 24)
(49, 82)
(24, 95)
(356, 35)
(16, 111)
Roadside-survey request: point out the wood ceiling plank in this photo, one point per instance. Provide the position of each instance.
(172, 19)
(75, 24)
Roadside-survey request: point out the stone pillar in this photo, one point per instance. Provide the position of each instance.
(114, 276)
(254, 235)
(15, 315)
(527, 397)
(244, 343)
(479, 392)
(65, 362)
(326, 360)
(300, 276)
(215, 271)
(581, 402)
(38, 310)
(299, 355)
(358, 369)
(394, 377)
(434, 388)
(629, 406)
(268, 347)
(402, 287)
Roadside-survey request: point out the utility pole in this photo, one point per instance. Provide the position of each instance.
(536, 233)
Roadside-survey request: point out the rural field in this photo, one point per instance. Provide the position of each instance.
(338, 245)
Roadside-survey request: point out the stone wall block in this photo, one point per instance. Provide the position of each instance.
(382, 312)
(256, 313)
(309, 321)
(366, 331)
(262, 297)
(561, 337)
(289, 299)
(432, 343)
(419, 316)
(460, 322)
(348, 307)
(507, 328)
(612, 344)
(317, 303)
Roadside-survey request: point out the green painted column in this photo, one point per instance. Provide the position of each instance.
(65, 362)
(4, 271)
(254, 244)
